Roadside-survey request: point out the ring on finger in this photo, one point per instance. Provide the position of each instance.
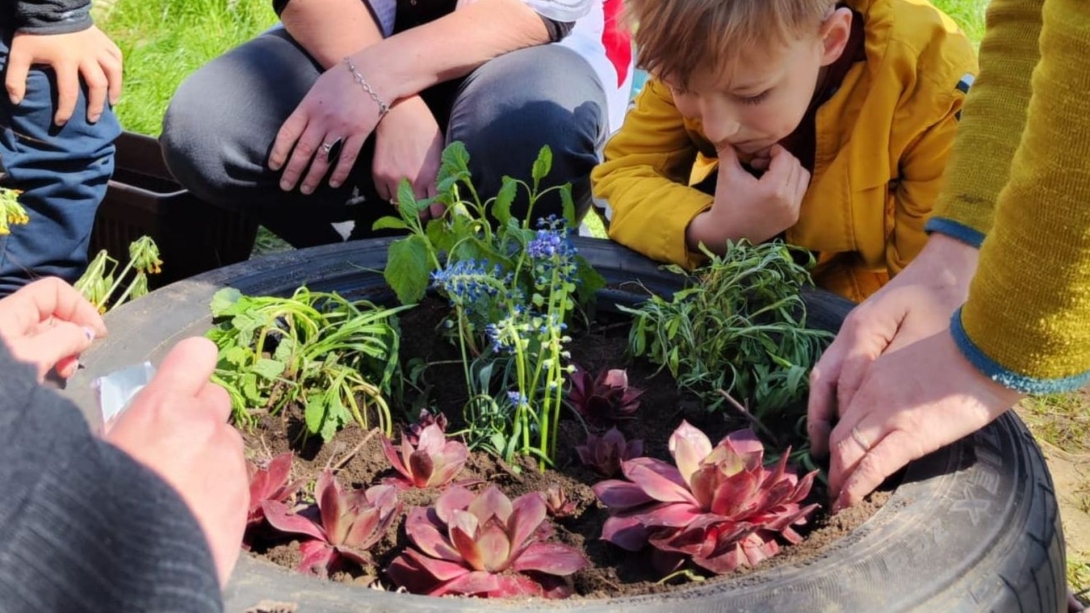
(327, 147)
(860, 439)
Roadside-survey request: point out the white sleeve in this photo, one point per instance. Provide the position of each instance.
(561, 10)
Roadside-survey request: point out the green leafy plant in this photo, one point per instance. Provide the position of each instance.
(472, 228)
(336, 358)
(738, 326)
(101, 280)
(513, 285)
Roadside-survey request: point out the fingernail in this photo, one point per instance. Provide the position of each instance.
(306, 189)
(89, 333)
(16, 99)
(334, 184)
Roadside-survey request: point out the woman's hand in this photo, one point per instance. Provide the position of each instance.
(48, 323)
(408, 145)
(335, 114)
(893, 386)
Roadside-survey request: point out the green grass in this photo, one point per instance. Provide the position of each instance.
(1062, 419)
(163, 41)
(969, 14)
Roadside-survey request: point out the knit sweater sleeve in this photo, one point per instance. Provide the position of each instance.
(992, 122)
(83, 527)
(1027, 321)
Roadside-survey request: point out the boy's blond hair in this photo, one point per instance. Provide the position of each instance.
(676, 37)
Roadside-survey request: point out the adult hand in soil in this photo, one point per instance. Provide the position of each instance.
(48, 323)
(335, 114)
(177, 426)
(408, 145)
(88, 54)
(888, 417)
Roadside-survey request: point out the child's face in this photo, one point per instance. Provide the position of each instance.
(765, 96)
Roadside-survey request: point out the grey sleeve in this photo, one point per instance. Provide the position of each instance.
(52, 16)
(84, 527)
(561, 10)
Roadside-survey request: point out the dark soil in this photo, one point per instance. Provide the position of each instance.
(358, 459)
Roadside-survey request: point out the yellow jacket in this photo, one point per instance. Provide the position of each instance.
(882, 144)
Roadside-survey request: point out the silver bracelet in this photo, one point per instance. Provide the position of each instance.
(383, 108)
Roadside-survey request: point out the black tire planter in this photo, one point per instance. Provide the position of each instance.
(972, 527)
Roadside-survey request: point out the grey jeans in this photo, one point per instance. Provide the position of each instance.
(222, 121)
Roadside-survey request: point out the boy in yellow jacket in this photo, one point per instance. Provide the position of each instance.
(828, 124)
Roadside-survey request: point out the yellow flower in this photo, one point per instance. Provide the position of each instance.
(144, 254)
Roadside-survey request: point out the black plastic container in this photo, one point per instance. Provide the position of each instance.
(144, 199)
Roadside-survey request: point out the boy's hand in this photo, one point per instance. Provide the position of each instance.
(763, 207)
(88, 54)
(748, 207)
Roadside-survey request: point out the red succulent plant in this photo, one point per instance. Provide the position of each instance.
(425, 419)
(557, 503)
(719, 507)
(269, 481)
(604, 399)
(484, 545)
(348, 523)
(606, 453)
(433, 462)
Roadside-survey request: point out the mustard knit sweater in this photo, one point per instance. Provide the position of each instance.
(1018, 186)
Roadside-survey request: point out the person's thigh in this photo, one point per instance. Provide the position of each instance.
(62, 172)
(515, 104)
(220, 127)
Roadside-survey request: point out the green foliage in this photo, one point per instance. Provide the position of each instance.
(506, 280)
(465, 231)
(969, 14)
(335, 358)
(738, 326)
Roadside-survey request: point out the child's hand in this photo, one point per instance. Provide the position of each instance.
(763, 207)
(88, 54)
(748, 207)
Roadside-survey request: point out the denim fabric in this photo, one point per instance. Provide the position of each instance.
(223, 119)
(62, 171)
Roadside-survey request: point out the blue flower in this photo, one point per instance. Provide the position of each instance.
(465, 282)
(550, 245)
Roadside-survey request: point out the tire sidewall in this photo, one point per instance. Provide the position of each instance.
(973, 526)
